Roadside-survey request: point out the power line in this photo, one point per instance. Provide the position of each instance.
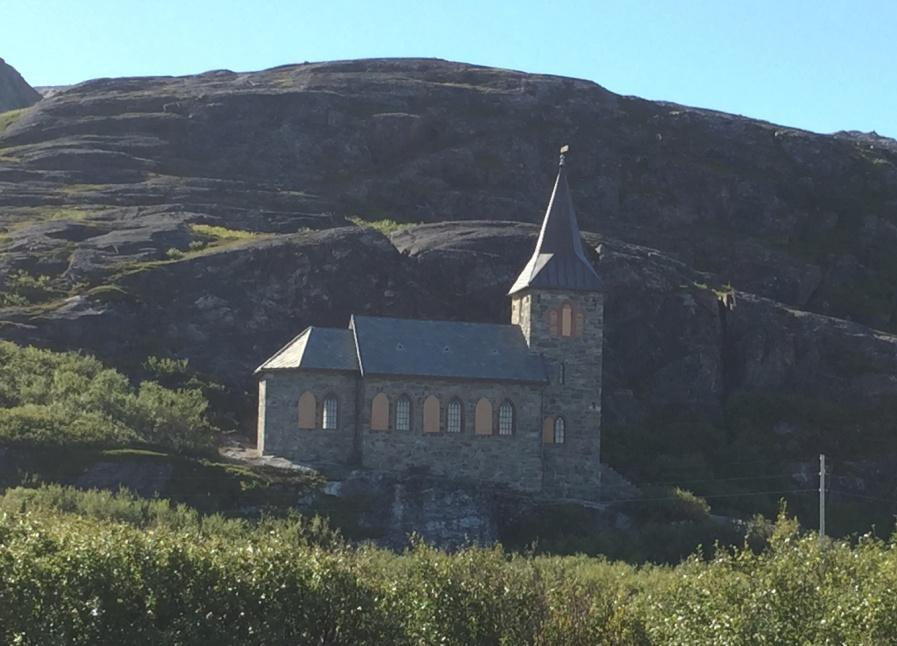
(893, 501)
(678, 482)
(719, 495)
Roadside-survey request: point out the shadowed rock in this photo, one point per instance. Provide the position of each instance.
(15, 92)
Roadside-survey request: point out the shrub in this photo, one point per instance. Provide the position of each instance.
(88, 567)
(66, 399)
(21, 288)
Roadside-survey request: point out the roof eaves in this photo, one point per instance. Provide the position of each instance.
(542, 380)
(357, 344)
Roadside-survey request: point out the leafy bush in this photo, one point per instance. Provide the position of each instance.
(87, 568)
(66, 399)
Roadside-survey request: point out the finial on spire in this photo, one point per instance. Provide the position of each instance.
(564, 150)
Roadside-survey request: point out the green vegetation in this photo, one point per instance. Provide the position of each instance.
(9, 117)
(743, 462)
(214, 238)
(223, 233)
(21, 288)
(384, 226)
(76, 189)
(88, 567)
(56, 399)
(656, 530)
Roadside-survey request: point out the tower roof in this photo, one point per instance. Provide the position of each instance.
(559, 261)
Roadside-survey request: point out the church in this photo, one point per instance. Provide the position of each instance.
(515, 405)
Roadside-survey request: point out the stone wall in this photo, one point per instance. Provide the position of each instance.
(571, 469)
(513, 460)
(279, 432)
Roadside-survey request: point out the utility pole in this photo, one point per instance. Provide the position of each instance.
(821, 497)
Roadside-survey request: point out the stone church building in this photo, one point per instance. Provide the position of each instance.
(518, 405)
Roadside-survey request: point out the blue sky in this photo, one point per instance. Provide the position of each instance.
(824, 65)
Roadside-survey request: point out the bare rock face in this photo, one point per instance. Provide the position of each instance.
(15, 92)
(208, 217)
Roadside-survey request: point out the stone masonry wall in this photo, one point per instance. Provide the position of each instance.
(279, 432)
(513, 460)
(572, 469)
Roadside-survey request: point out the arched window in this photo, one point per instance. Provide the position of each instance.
(566, 320)
(331, 413)
(380, 412)
(453, 417)
(553, 327)
(403, 414)
(506, 418)
(431, 415)
(483, 417)
(548, 430)
(307, 411)
(580, 323)
(562, 373)
(560, 430)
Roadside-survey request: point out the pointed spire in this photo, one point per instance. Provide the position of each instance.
(559, 261)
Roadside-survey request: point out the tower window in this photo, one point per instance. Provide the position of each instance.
(331, 413)
(553, 328)
(506, 418)
(453, 417)
(403, 414)
(562, 373)
(566, 320)
(560, 430)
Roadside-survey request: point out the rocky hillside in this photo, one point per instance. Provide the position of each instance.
(213, 216)
(15, 92)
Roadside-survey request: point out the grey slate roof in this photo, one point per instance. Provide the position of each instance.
(482, 351)
(316, 348)
(559, 261)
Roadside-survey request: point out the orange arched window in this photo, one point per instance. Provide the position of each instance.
(431, 415)
(380, 412)
(483, 417)
(307, 411)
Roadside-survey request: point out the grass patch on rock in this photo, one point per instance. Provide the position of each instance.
(385, 226)
(9, 117)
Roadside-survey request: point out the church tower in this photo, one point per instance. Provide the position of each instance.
(558, 304)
